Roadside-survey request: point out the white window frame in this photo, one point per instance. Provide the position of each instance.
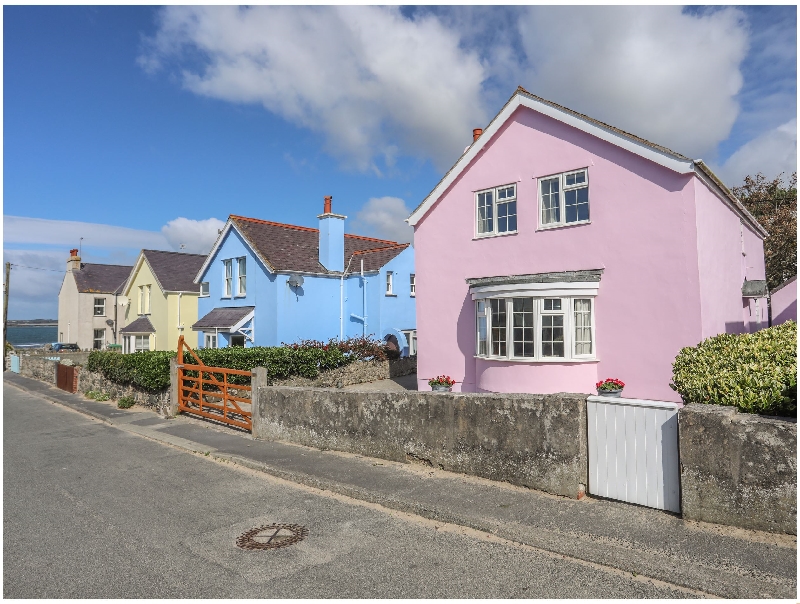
(241, 276)
(227, 278)
(102, 340)
(141, 300)
(147, 299)
(412, 282)
(101, 306)
(210, 340)
(563, 188)
(389, 283)
(567, 310)
(495, 220)
(205, 290)
(411, 339)
(140, 343)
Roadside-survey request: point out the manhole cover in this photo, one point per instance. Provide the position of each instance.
(272, 536)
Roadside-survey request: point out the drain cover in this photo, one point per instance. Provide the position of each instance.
(272, 536)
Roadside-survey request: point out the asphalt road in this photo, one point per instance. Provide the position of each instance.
(91, 511)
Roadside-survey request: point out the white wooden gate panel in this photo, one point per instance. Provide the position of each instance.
(633, 451)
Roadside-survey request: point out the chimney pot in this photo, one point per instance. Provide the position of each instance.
(328, 200)
(476, 134)
(73, 252)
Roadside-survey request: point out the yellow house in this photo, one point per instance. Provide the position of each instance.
(161, 301)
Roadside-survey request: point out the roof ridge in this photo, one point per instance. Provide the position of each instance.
(271, 223)
(174, 252)
(381, 249)
(371, 239)
(101, 264)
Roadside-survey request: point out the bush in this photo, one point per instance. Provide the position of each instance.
(757, 373)
(90, 394)
(101, 396)
(126, 402)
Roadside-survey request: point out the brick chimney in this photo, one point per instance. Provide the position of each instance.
(331, 237)
(74, 261)
(476, 134)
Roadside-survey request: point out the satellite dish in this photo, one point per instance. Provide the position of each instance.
(109, 322)
(295, 281)
(122, 300)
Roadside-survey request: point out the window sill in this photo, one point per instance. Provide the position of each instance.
(536, 361)
(493, 235)
(563, 226)
(240, 296)
(391, 295)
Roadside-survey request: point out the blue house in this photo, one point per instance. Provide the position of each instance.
(265, 283)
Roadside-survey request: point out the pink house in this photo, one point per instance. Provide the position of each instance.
(784, 302)
(559, 251)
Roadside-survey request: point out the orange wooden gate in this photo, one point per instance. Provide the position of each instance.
(209, 391)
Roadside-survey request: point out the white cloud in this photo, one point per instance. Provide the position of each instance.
(384, 217)
(20, 229)
(771, 153)
(656, 71)
(197, 236)
(366, 77)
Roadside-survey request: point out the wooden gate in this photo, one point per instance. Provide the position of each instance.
(633, 451)
(213, 392)
(65, 377)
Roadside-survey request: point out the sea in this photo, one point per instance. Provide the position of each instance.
(28, 336)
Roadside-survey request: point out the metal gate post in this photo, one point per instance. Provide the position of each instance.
(259, 380)
(171, 409)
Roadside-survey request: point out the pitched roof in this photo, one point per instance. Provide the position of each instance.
(101, 278)
(635, 144)
(175, 271)
(290, 248)
(140, 325)
(223, 318)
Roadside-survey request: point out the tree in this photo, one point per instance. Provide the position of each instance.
(774, 205)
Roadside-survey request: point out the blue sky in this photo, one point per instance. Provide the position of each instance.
(160, 122)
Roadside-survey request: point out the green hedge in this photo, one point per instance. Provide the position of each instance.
(150, 369)
(757, 373)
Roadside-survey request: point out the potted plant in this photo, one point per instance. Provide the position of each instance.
(442, 383)
(610, 387)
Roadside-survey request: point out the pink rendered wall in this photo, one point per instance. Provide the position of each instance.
(728, 251)
(642, 232)
(784, 303)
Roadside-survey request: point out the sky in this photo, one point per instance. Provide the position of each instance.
(145, 127)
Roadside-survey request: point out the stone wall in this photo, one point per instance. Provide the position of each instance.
(38, 368)
(89, 380)
(538, 441)
(738, 469)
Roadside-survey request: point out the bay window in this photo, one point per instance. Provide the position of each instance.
(497, 210)
(543, 328)
(564, 199)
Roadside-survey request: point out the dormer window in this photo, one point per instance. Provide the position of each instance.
(496, 211)
(564, 199)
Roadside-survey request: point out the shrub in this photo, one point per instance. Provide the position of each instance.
(101, 396)
(90, 394)
(126, 402)
(757, 373)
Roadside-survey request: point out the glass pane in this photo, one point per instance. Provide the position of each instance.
(580, 177)
(583, 327)
(569, 179)
(498, 309)
(552, 304)
(482, 335)
(583, 203)
(523, 326)
(485, 213)
(550, 202)
(507, 217)
(552, 335)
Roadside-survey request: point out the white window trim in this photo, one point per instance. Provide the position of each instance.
(563, 187)
(103, 314)
(147, 299)
(207, 289)
(568, 310)
(390, 283)
(239, 292)
(412, 283)
(227, 291)
(495, 222)
(102, 339)
(209, 336)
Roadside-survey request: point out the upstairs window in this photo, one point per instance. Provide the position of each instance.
(241, 282)
(389, 276)
(99, 307)
(564, 199)
(144, 299)
(413, 284)
(204, 289)
(227, 286)
(497, 210)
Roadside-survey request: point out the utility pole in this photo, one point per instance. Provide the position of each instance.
(5, 311)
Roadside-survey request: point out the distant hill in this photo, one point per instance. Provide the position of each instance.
(21, 322)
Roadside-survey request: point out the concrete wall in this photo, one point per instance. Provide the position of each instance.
(530, 440)
(784, 302)
(738, 469)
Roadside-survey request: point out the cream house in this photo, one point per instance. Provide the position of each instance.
(161, 301)
(87, 311)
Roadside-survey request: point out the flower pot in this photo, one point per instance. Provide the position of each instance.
(610, 393)
(441, 388)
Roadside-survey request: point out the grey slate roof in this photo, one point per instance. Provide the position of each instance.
(175, 271)
(140, 325)
(223, 318)
(756, 288)
(101, 278)
(559, 277)
(290, 248)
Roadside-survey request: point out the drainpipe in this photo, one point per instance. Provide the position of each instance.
(179, 310)
(341, 300)
(364, 287)
(115, 317)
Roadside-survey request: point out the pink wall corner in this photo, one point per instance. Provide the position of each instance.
(784, 302)
(642, 232)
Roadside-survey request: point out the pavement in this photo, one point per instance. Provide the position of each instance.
(397, 384)
(700, 559)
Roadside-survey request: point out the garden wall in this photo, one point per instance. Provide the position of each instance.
(38, 368)
(89, 380)
(538, 441)
(738, 469)
(358, 372)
